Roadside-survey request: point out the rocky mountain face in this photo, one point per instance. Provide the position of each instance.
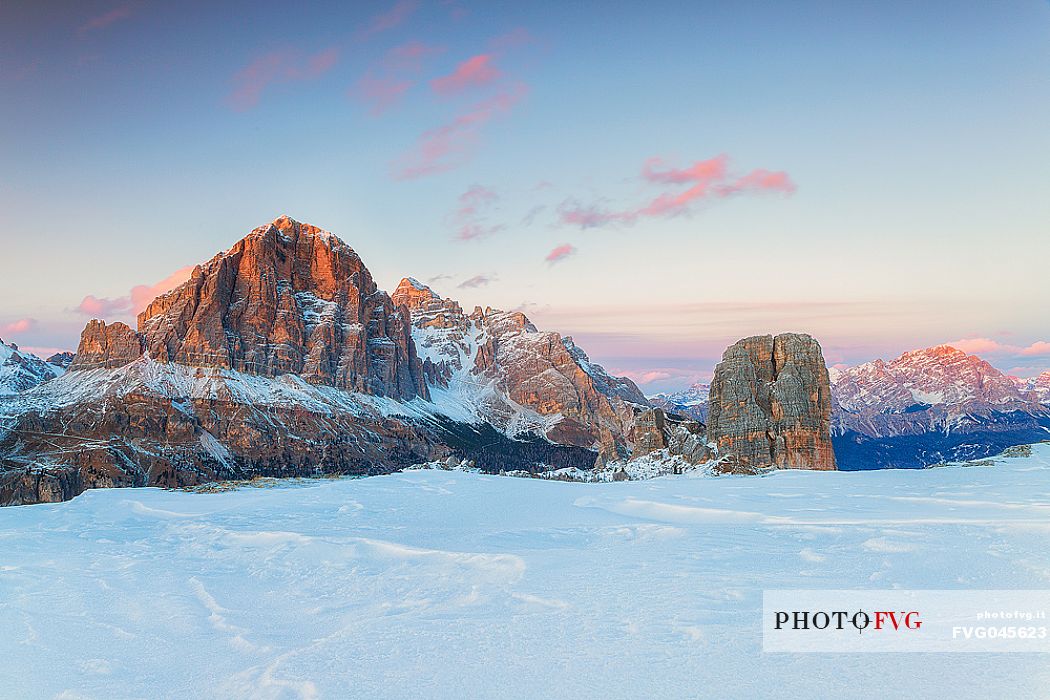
(281, 357)
(288, 299)
(929, 406)
(495, 366)
(770, 405)
(21, 371)
(278, 357)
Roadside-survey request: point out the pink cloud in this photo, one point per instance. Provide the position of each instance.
(476, 281)
(391, 19)
(137, 299)
(476, 71)
(513, 39)
(474, 198)
(107, 18)
(386, 82)
(22, 325)
(700, 171)
(380, 93)
(410, 56)
(275, 67)
(979, 346)
(469, 218)
(706, 179)
(560, 253)
(452, 144)
(1037, 349)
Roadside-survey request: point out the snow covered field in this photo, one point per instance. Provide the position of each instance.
(439, 584)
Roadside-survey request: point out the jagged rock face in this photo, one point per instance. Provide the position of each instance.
(649, 433)
(516, 377)
(770, 405)
(288, 298)
(106, 346)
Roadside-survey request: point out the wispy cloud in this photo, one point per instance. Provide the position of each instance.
(136, 300)
(560, 253)
(391, 19)
(275, 67)
(450, 145)
(704, 180)
(470, 218)
(386, 82)
(476, 281)
(476, 71)
(440, 277)
(22, 325)
(118, 13)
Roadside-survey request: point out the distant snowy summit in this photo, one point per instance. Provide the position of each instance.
(929, 406)
(21, 371)
(691, 401)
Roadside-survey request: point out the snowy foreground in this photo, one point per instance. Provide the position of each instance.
(434, 584)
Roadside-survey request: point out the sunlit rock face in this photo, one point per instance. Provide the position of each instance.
(770, 405)
(288, 298)
(499, 366)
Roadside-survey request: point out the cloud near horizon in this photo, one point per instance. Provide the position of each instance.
(277, 67)
(706, 180)
(22, 325)
(137, 299)
(978, 346)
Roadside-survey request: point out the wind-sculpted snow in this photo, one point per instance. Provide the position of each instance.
(443, 584)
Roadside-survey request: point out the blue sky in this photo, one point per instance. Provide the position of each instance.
(872, 173)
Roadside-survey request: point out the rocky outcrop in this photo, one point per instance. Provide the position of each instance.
(289, 298)
(106, 346)
(770, 405)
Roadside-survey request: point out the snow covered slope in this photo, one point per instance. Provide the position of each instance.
(450, 585)
(20, 371)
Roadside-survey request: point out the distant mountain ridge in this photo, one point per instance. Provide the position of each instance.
(926, 406)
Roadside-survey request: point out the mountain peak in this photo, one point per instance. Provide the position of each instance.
(413, 294)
